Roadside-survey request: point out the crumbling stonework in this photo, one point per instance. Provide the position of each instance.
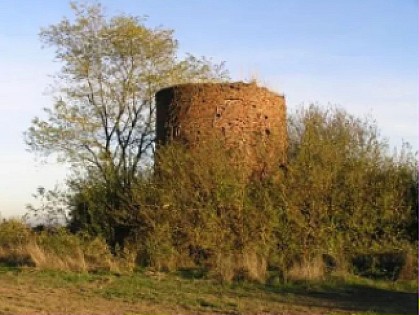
(248, 118)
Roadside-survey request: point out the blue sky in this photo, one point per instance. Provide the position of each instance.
(360, 55)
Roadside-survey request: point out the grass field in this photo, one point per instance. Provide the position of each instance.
(30, 291)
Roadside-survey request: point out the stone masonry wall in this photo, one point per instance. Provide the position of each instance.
(246, 117)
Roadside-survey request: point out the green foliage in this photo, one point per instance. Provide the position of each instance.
(341, 195)
(344, 192)
(103, 118)
(14, 234)
(59, 242)
(204, 192)
(14, 237)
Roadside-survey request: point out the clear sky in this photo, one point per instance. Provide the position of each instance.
(360, 55)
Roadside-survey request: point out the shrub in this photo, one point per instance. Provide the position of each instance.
(15, 237)
(14, 234)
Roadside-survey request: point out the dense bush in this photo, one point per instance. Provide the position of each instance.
(341, 194)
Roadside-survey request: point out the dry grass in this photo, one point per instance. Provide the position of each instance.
(308, 270)
(32, 254)
(410, 268)
(255, 266)
(44, 259)
(247, 265)
(59, 250)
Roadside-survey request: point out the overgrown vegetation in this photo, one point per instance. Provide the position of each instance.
(343, 204)
(103, 119)
(57, 249)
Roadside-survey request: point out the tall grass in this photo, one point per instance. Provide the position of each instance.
(58, 249)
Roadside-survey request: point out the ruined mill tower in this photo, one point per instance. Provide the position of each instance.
(247, 118)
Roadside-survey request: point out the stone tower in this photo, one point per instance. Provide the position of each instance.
(246, 117)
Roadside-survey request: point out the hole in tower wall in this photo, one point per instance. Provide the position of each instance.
(267, 132)
(176, 131)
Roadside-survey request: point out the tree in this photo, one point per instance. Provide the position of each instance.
(103, 118)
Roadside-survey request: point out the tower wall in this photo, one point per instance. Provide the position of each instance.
(246, 117)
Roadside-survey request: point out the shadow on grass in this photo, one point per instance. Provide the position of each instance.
(192, 273)
(355, 297)
(16, 261)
